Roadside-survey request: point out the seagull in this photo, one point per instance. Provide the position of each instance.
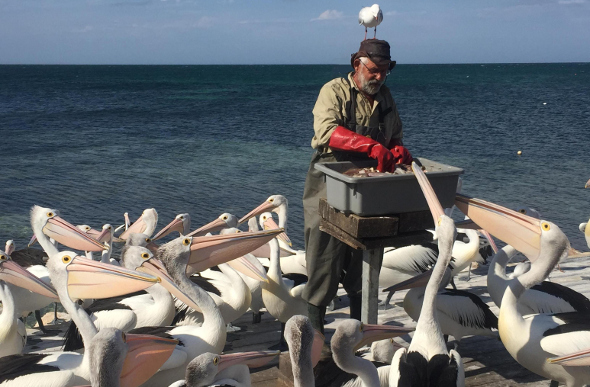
(371, 17)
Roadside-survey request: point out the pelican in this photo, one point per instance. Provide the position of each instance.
(74, 277)
(407, 262)
(305, 348)
(145, 224)
(225, 220)
(185, 255)
(282, 299)
(277, 204)
(351, 335)
(586, 230)
(292, 262)
(227, 370)
(460, 313)
(370, 17)
(156, 308)
(533, 338)
(13, 334)
(181, 223)
(234, 294)
(427, 361)
(24, 300)
(545, 297)
(47, 225)
(118, 359)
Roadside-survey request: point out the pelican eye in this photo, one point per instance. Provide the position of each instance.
(522, 211)
(271, 200)
(391, 341)
(224, 217)
(123, 336)
(3, 257)
(439, 221)
(361, 327)
(181, 217)
(87, 228)
(50, 214)
(145, 255)
(186, 241)
(215, 360)
(66, 259)
(546, 226)
(148, 240)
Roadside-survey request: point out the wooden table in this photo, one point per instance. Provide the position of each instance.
(372, 235)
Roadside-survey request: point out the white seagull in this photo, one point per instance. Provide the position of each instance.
(371, 17)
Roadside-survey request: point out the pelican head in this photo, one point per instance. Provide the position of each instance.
(48, 222)
(225, 220)
(146, 224)
(181, 223)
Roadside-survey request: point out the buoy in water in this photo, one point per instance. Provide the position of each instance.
(519, 152)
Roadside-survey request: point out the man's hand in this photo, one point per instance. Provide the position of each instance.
(346, 140)
(402, 155)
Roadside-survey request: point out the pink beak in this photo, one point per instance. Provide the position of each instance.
(70, 235)
(13, 273)
(92, 279)
(145, 355)
(208, 251)
(157, 269)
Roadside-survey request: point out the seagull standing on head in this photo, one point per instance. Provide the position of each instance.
(371, 17)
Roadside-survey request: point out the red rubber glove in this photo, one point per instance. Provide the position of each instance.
(347, 140)
(402, 155)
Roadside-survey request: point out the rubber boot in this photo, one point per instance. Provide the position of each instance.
(355, 305)
(316, 316)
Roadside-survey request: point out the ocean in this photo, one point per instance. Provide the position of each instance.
(97, 141)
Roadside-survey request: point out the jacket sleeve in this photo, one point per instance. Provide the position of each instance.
(327, 114)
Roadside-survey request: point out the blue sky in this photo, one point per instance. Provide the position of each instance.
(289, 31)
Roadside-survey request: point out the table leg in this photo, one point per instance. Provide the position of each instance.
(371, 262)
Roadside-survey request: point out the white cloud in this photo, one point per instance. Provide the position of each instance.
(568, 2)
(329, 14)
(205, 22)
(391, 13)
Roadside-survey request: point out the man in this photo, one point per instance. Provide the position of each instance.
(355, 118)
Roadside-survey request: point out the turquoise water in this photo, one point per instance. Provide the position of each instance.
(97, 141)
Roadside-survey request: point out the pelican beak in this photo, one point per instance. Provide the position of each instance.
(252, 359)
(587, 184)
(138, 227)
(92, 279)
(435, 208)
(14, 273)
(245, 266)
(70, 235)
(374, 332)
(521, 231)
(270, 224)
(32, 241)
(9, 249)
(467, 224)
(213, 226)
(208, 251)
(316, 347)
(102, 236)
(418, 281)
(490, 239)
(157, 269)
(264, 207)
(577, 359)
(175, 225)
(145, 355)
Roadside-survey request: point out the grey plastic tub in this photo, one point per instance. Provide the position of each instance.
(386, 195)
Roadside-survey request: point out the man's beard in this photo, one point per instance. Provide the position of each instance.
(369, 87)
